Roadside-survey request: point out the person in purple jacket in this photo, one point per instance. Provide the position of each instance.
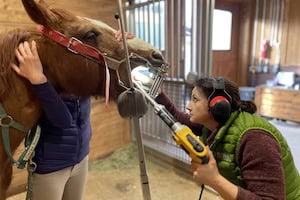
(62, 151)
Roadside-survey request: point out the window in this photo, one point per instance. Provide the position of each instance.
(146, 20)
(221, 38)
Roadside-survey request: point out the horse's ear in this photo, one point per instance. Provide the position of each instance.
(39, 12)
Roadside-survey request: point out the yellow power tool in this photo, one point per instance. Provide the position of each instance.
(183, 135)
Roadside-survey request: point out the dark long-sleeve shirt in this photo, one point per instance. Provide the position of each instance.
(182, 117)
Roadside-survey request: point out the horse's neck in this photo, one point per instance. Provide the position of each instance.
(21, 104)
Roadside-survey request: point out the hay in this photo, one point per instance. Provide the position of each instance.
(123, 158)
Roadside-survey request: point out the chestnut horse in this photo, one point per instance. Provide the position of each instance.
(75, 53)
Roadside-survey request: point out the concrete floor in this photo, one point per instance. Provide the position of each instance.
(291, 132)
(118, 176)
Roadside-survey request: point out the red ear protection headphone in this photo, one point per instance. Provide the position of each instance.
(219, 102)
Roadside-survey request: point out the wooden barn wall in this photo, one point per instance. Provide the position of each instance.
(110, 131)
(13, 15)
(286, 33)
(291, 41)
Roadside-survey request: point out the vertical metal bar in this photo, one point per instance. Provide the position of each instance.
(254, 34)
(149, 22)
(139, 20)
(192, 34)
(159, 28)
(263, 21)
(144, 25)
(271, 20)
(206, 37)
(171, 33)
(207, 52)
(154, 24)
(279, 36)
(178, 40)
(277, 20)
(135, 120)
(141, 154)
(281, 20)
(209, 58)
(199, 26)
(133, 21)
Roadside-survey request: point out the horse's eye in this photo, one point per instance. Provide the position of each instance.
(91, 35)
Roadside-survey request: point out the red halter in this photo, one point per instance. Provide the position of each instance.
(73, 44)
(77, 47)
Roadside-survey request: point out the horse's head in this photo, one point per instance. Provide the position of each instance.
(83, 74)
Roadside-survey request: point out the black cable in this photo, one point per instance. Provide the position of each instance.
(201, 191)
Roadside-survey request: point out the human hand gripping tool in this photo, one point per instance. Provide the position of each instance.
(182, 134)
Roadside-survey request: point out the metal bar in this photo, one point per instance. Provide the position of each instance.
(141, 154)
(144, 25)
(209, 19)
(149, 32)
(199, 43)
(271, 20)
(277, 21)
(135, 120)
(209, 58)
(159, 28)
(178, 40)
(281, 20)
(154, 24)
(263, 21)
(206, 37)
(254, 34)
(192, 57)
(139, 25)
(171, 41)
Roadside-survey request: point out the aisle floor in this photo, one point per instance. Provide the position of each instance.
(118, 176)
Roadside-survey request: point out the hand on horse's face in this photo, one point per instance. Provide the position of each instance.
(118, 35)
(30, 66)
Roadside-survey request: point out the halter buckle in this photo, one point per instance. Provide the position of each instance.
(71, 42)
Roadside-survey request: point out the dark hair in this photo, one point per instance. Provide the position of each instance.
(206, 85)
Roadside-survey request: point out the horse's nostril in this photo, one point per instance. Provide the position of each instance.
(156, 55)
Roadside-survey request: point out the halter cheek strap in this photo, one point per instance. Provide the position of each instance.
(72, 44)
(30, 141)
(77, 47)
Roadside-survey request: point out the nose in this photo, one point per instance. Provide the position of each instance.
(188, 106)
(157, 56)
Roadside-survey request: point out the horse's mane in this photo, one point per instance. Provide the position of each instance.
(8, 43)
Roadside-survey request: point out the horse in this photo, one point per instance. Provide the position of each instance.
(80, 56)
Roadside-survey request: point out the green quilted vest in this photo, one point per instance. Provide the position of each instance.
(226, 145)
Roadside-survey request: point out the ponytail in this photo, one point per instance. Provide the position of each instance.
(248, 106)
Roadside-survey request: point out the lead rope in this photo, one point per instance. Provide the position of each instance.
(31, 167)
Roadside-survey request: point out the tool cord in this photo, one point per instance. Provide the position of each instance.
(201, 191)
